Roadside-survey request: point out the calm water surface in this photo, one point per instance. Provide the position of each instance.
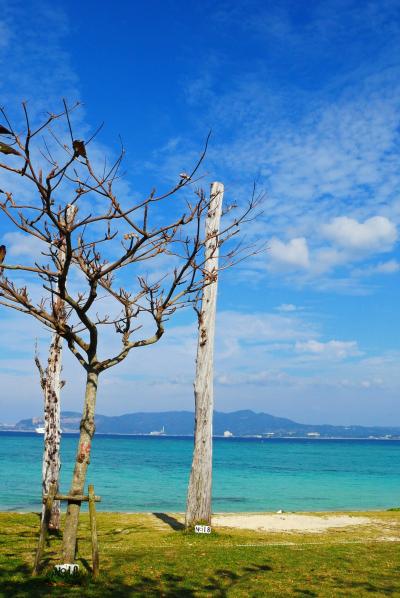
(141, 473)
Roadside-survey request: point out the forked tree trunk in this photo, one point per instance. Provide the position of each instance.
(199, 492)
(87, 429)
(52, 384)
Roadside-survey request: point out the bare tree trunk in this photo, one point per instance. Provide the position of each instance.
(87, 429)
(51, 383)
(199, 492)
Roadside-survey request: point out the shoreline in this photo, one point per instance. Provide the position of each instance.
(217, 436)
(315, 513)
(233, 513)
(307, 523)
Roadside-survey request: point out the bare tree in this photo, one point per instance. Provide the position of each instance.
(198, 508)
(96, 254)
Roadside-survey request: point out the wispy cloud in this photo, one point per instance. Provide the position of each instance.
(287, 307)
(20, 245)
(331, 349)
(35, 65)
(328, 156)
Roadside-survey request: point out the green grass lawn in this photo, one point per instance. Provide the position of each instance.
(149, 555)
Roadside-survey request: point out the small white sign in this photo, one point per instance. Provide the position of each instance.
(67, 569)
(202, 529)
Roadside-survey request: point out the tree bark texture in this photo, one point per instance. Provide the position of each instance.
(51, 384)
(200, 483)
(87, 429)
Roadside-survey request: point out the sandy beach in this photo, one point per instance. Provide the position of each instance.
(288, 522)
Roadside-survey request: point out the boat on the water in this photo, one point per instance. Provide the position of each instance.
(158, 432)
(42, 431)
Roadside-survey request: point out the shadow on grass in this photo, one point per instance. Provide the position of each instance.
(171, 521)
(21, 584)
(55, 533)
(303, 592)
(362, 588)
(85, 564)
(223, 581)
(368, 588)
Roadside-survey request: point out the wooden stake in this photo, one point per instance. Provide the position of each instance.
(93, 529)
(44, 526)
(71, 499)
(199, 492)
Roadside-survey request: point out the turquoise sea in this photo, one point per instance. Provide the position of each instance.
(142, 473)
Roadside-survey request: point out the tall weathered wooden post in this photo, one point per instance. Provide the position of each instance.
(199, 491)
(51, 382)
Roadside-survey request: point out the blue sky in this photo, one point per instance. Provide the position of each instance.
(301, 96)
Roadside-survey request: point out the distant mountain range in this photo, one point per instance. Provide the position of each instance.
(180, 423)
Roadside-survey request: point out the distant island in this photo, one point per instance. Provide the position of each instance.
(245, 423)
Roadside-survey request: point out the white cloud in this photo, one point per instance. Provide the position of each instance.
(386, 268)
(352, 241)
(261, 326)
(389, 267)
(327, 258)
(287, 307)
(258, 378)
(20, 244)
(289, 256)
(281, 381)
(376, 234)
(331, 349)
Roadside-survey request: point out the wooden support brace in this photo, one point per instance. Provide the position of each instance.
(74, 498)
(44, 526)
(93, 529)
(48, 499)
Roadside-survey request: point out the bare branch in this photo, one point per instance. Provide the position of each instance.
(85, 253)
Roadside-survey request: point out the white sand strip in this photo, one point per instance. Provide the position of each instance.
(287, 522)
